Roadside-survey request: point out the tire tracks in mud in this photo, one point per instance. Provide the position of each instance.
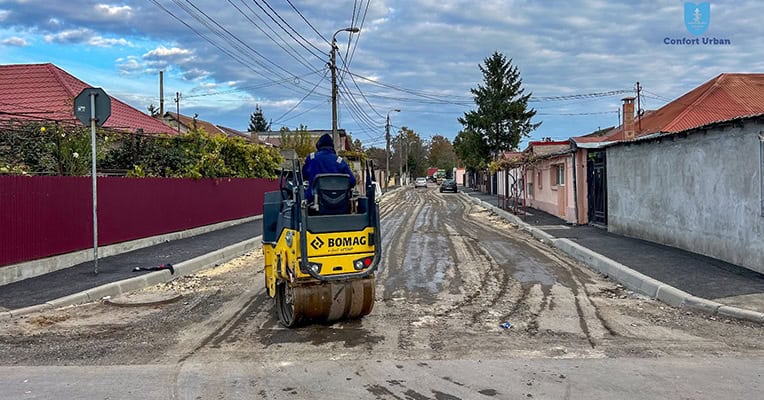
(575, 277)
(227, 325)
(481, 290)
(397, 229)
(475, 284)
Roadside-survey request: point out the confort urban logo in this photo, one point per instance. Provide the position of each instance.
(697, 18)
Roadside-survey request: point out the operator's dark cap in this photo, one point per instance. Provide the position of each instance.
(325, 141)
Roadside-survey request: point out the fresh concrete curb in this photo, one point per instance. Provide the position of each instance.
(702, 305)
(112, 289)
(29, 269)
(629, 278)
(740, 313)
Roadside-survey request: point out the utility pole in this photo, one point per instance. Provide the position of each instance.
(333, 67)
(177, 108)
(161, 95)
(639, 109)
(387, 148)
(400, 158)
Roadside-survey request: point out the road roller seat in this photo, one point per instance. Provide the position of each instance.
(332, 193)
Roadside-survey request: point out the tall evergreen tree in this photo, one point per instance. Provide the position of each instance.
(471, 150)
(502, 117)
(257, 122)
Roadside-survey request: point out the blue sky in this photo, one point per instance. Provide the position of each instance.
(420, 56)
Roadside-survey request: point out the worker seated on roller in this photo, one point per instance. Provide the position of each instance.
(330, 180)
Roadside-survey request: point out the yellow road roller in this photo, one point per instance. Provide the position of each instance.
(319, 265)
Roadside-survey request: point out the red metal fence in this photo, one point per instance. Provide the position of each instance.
(41, 216)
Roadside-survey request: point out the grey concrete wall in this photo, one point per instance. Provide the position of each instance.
(700, 193)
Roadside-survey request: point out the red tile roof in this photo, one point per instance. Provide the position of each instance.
(508, 155)
(46, 92)
(234, 132)
(725, 97)
(600, 135)
(188, 122)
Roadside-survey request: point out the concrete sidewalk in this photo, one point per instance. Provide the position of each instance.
(677, 277)
(79, 284)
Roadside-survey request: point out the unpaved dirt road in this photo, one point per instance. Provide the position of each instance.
(452, 274)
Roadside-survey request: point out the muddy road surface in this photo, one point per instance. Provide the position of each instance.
(467, 307)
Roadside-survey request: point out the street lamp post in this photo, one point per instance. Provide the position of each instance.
(400, 144)
(333, 67)
(387, 147)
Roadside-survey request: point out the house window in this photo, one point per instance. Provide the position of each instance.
(539, 180)
(559, 174)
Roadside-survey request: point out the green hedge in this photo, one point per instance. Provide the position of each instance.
(51, 149)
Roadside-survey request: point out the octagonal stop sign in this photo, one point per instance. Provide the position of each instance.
(82, 106)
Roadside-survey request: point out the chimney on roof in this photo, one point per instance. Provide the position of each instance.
(161, 94)
(628, 117)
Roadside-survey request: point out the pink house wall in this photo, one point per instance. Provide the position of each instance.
(582, 186)
(554, 199)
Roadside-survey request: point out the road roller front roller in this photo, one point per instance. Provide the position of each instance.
(321, 253)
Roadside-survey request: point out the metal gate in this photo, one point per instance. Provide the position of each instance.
(596, 170)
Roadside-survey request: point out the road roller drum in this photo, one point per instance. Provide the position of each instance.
(325, 301)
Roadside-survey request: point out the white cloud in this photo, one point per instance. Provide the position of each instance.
(114, 11)
(86, 36)
(129, 65)
(108, 42)
(15, 41)
(69, 36)
(195, 74)
(4, 15)
(162, 51)
(163, 58)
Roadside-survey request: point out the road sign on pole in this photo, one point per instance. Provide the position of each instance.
(83, 107)
(93, 107)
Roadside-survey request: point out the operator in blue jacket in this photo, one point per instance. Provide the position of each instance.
(324, 161)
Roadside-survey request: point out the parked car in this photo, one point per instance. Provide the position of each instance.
(449, 185)
(420, 182)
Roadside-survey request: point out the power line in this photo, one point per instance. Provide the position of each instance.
(359, 91)
(579, 96)
(281, 121)
(352, 23)
(294, 30)
(358, 37)
(294, 52)
(409, 91)
(308, 22)
(581, 113)
(210, 41)
(303, 99)
(260, 86)
(246, 63)
(354, 102)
